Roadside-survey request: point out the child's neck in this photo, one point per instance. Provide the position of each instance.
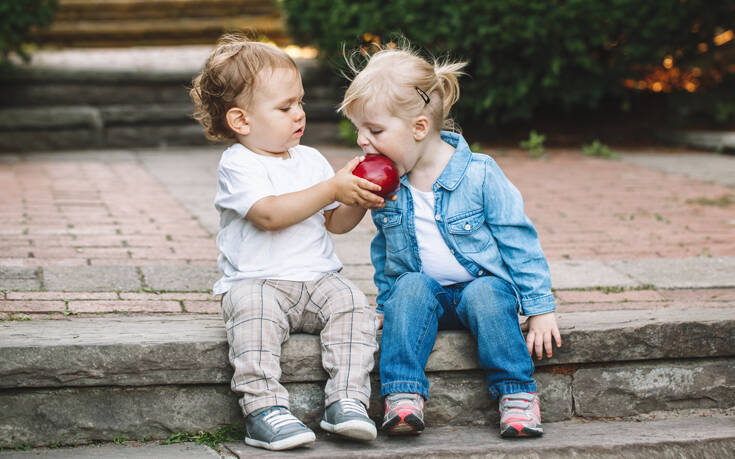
(433, 158)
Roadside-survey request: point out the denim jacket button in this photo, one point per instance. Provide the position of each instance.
(467, 227)
(480, 272)
(385, 219)
(438, 217)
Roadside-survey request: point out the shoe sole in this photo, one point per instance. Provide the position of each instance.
(301, 439)
(358, 430)
(512, 432)
(410, 425)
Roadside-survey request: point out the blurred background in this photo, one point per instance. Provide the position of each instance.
(113, 73)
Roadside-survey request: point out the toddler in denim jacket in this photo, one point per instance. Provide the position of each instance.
(453, 250)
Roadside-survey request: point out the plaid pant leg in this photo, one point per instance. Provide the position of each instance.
(348, 327)
(256, 328)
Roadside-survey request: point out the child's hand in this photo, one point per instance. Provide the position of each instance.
(352, 190)
(540, 330)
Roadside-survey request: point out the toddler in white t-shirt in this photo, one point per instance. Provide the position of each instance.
(277, 200)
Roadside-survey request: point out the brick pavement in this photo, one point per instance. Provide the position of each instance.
(131, 232)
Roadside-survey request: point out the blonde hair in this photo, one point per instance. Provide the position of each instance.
(228, 79)
(396, 78)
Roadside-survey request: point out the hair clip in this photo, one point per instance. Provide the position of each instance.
(423, 95)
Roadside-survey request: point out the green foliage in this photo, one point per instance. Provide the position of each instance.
(347, 132)
(524, 54)
(231, 432)
(17, 17)
(534, 144)
(598, 149)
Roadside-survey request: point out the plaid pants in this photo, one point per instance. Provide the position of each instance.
(261, 313)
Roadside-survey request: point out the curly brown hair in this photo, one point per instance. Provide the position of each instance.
(228, 78)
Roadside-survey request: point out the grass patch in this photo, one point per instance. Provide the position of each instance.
(723, 201)
(614, 289)
(231, 432)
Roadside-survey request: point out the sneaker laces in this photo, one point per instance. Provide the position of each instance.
(351, 405)
(278, 419)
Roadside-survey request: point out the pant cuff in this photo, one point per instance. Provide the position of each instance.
(406, 387)
(263, 402)
(342, 394)
(511, 388)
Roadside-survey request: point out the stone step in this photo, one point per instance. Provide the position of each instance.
(120, 23)
(56, 109)
(79, 380)
(707, 435)
(687, 436)
(694, 434)
(73, 10)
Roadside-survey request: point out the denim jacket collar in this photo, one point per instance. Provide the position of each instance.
(455, 169)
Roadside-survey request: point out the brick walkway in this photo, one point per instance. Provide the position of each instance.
(127, 232)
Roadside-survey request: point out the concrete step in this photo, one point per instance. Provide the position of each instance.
(79, 380)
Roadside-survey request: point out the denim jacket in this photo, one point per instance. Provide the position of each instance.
(480, 216)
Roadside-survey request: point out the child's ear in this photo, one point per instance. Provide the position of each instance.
(421, 126)
(237, 120)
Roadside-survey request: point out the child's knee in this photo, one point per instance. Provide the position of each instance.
(489, 295)
(413, 287)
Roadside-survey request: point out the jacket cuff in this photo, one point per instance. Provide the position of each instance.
(538, 305)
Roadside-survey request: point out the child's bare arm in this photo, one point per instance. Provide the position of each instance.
(274, 213)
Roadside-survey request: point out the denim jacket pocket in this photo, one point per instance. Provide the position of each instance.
(469, 231)
(390, 222)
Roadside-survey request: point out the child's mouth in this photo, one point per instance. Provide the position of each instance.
(299, 131)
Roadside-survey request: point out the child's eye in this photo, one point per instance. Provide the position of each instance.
(375, 131)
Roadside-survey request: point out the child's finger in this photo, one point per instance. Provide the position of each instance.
(529, 341)
(368, 185)
(547, 344)
(557, 337)
(352, 164)
(539, 347)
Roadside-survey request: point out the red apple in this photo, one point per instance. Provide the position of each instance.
(380, 170)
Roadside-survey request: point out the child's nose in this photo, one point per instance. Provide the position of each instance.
(362, 141)
(299, 114)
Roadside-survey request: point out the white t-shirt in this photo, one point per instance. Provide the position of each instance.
(437, 261)
(301, 252)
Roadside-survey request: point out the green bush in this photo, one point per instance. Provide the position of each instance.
(17, 17)
(598, 149)
(534, 144)
(525, 54)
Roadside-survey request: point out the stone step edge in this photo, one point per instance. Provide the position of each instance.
(689, 436)
(312, 73)
(52, 118)
(140, 351)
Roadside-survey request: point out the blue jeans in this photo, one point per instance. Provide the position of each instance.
(418, 306)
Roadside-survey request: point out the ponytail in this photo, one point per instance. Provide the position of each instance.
(447, 80)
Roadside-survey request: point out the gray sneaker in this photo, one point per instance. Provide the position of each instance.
(348, 417)
(276, 428)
